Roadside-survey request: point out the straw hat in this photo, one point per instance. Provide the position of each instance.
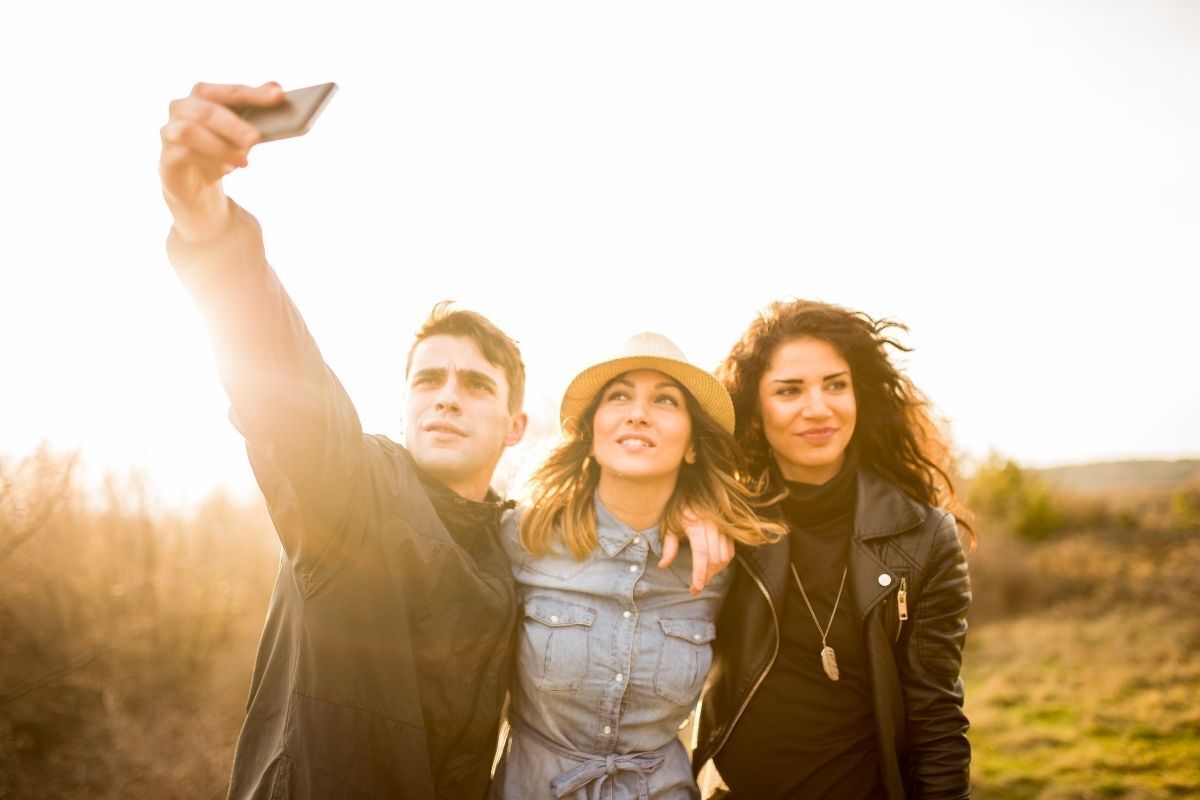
(650, 351)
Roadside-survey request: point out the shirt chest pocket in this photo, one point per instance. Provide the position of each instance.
(555, 643)
(684, 659)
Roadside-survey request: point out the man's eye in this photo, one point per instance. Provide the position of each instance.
(479, 386)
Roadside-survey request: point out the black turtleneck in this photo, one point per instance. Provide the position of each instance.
(803, 735)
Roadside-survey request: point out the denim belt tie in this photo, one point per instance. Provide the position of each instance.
(595, 768)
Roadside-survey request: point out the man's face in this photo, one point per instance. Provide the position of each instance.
(457, 421)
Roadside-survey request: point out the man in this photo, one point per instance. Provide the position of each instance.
(383, 663)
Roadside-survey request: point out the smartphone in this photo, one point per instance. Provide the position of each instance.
(293, 117)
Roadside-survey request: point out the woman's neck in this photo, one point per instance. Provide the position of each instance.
(638, 503)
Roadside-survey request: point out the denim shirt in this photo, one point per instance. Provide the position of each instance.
(612, 655)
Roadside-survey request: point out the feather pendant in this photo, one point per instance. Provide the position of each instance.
(829, 662)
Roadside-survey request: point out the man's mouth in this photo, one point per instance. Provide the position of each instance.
(443, 427)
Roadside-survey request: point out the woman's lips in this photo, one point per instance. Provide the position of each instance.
(817, 435)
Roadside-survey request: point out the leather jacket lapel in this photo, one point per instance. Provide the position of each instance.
(881, 510)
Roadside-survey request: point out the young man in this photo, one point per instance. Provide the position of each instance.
(383, 663)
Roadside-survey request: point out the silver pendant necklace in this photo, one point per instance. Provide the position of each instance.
(828, 657)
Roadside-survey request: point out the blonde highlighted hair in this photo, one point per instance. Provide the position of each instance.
(563, 488)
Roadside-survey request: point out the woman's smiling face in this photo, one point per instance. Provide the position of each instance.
(642, 428)
(806, 398)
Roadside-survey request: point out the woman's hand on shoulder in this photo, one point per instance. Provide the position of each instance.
(712, 551)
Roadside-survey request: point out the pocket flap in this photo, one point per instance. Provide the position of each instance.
(696, 631)
(554, 612)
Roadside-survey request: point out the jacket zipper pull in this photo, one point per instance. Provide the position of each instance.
(902, 599)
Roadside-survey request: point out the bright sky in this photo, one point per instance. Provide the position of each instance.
(1019, 182)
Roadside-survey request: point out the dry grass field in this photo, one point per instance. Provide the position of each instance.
(127, 636)
(1092, 688)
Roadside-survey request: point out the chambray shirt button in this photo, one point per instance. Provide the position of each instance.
(633, 567)
(620, 677)
(637, 540)
(627, 614)
(697, 636)
(554, 617)
(885, 580)
(607, 729)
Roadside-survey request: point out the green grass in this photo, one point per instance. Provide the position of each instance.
(1086, 706)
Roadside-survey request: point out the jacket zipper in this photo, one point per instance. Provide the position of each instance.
(763, 676)
(901, 606)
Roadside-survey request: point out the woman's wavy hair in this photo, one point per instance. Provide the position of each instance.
(562, 489)
(895, 434)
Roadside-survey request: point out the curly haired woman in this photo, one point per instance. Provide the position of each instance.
(836, 670)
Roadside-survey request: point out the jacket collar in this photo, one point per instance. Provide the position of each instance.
(456, 511)
(614, 535)
(881, 509)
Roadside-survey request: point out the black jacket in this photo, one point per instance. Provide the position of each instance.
(384, 658)
(914, 665)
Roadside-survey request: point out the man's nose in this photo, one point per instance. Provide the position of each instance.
(447, 397)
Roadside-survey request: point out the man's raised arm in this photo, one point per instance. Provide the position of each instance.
(301, 429)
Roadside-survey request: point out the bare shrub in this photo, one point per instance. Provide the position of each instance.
(117, 623)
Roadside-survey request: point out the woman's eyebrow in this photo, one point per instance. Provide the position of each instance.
(800, 381)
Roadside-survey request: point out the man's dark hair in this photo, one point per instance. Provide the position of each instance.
(496, 346)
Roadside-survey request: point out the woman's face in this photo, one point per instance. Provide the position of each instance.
(642, 429)
(806, 397)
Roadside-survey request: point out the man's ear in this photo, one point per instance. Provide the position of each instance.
(516, 428)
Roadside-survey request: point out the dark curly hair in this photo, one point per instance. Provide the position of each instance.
(895, 435)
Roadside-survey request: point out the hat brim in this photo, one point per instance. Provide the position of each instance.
(708, 392)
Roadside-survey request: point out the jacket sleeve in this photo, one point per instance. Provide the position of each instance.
(937, 754)
(302, 432)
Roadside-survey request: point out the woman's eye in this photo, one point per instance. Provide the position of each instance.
(838, 386)
(617, 394)
(668, 399)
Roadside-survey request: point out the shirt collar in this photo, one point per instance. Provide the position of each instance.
(614, 535)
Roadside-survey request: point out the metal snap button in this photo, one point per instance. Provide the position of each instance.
(885, 580)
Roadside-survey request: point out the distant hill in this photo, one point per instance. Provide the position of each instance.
(1121, 475)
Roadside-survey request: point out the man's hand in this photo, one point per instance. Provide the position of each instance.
(712, 551)
(202, 142)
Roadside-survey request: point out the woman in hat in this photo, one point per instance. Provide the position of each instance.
(612, 651)
(837, 668)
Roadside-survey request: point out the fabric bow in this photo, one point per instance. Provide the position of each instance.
(604, 767)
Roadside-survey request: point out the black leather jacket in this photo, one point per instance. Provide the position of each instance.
(914, 664)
